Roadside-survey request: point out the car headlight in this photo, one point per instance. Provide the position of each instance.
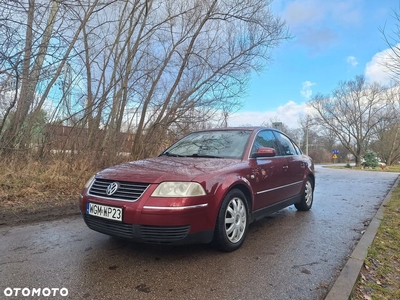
(179, 189)
(89, 182)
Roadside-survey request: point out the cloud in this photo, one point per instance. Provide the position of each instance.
(351, 60)
(317, 39)
(316, 12)
(346, 13)
(376, 70)
(298, 13)
(316, 23)
(306, 90)
(288, 114)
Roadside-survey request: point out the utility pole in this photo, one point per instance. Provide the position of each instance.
(307, 137)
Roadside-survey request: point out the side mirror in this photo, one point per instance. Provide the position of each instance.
(265, 152)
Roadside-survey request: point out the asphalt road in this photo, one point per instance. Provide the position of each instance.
(289, 255)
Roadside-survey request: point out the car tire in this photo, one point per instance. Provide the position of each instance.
(308, 196)
(232, 222)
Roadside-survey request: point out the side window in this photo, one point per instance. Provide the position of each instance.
(265, 139)
(298, 151)
(286, 144)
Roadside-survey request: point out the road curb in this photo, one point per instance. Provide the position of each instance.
(344, 284)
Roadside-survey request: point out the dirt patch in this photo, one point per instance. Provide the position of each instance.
(47, 209)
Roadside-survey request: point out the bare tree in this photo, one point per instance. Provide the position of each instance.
(154, 65)
(148, 67)
(386, 142)
(45, 28)
(352, 112)
(205, 62)
(392, 39)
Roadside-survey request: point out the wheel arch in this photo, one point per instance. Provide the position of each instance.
(312, 177)
(247, 193)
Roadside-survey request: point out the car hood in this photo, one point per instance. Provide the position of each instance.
(156, 170)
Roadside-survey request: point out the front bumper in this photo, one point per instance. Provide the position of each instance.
(172, 235)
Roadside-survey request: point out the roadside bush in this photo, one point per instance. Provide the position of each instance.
(370, 160)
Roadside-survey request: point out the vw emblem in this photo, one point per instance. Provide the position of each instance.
(112, 188)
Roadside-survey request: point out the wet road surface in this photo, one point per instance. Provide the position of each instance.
(289, 255)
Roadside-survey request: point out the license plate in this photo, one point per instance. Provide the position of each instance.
(104, 211)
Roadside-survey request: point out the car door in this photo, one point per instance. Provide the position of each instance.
(294, 165)
(268, 174)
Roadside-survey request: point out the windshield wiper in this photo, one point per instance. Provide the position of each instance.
(204, 155)
(191, 155)
(171, 154)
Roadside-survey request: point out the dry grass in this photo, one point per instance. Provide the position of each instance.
(380, 276)
(394, 168)
(25, 181)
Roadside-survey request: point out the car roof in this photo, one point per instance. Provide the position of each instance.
(251, 128)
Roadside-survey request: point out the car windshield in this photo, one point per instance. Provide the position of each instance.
(215, 144)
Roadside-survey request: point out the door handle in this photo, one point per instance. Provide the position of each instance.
(285, 167)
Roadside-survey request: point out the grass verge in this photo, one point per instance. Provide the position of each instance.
(380, 275)
(394, 168)
(38, 190)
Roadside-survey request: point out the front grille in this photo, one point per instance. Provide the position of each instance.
(127, 191)
(141, 233)
(157, 234)
(109, 227)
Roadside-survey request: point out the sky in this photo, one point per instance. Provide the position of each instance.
(332, 41)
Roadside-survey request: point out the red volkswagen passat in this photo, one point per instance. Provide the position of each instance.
(207, 187)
